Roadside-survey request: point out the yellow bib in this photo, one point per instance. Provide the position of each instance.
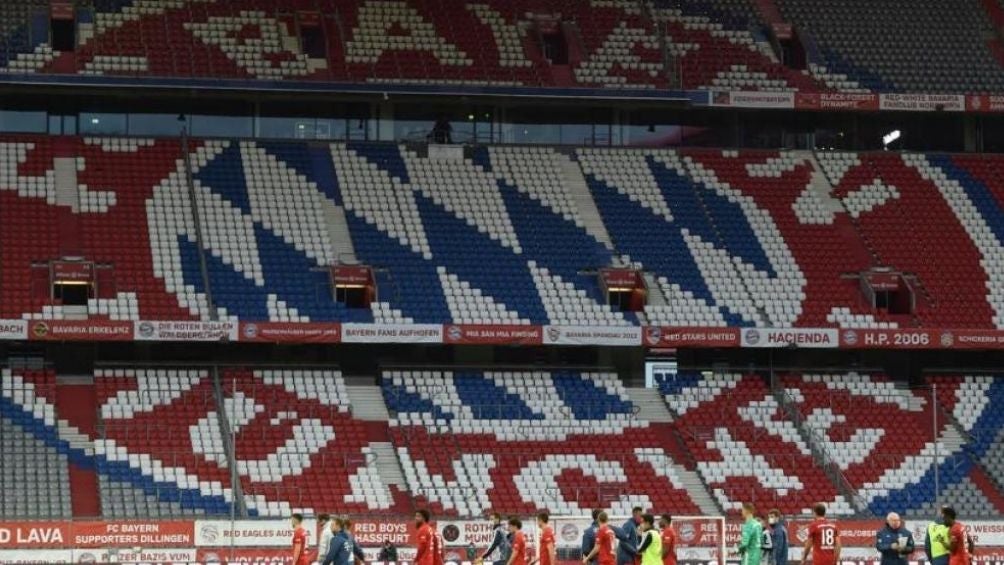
(653, 553)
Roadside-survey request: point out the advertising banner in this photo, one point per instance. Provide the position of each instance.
(619, 278)
(72, 271)
(817, 338)
(352, 275)
(13, 329)
(80, 330)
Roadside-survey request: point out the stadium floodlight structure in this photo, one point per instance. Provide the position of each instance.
(700, 539)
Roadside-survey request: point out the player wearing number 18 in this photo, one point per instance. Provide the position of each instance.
(824, 539)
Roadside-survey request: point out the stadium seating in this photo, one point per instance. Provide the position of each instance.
(297, 445)
(746, 447)
(925, 46)
(518, 441)
(718, 53)
(160, 442)
(479, 241)
(729, 238)
(34, 472)
(163, 450)
(946, 219)
(851, 46)
(968, 403)
(880, 437)
(512, 440)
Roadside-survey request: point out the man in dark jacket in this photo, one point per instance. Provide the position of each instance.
(894, 541)
(498, 552)
(340, 549)
(357, 552)
(589, 536)
(388, 552)
(779, 535)
(629, 538)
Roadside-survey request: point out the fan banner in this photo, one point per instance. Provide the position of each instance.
(617, 336)
(96, 534)
(923, 102)
(891, 339)
(478, 334)
(392, 333)
(250, 533)
(753, 99)
(836, 101)
(186, 331)
(288, 332)
(985, 103)
(690, 337)
(374, 532)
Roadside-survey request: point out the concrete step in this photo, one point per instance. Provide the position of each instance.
(578, 189)
(387, 464)
(367, 403)
(74, 379)
(65, 173)
(338, 232)
(651, 405)
(698, 492)
(820, 186)
(655, 295)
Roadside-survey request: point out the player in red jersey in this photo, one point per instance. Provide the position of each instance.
(603, 549)
(426, 539)
(438, 550)
(958, 541)
(824, 539)
(668, 540)
(518, 554)
(299, 541)
(546, 548)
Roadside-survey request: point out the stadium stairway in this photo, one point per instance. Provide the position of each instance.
(685, 467)
(67, 195)
(77, 416)
(651, 407)
(819, 452)
(338, 231)
(649, 404)
(979, 478)
(577, 187)
(368, 405)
